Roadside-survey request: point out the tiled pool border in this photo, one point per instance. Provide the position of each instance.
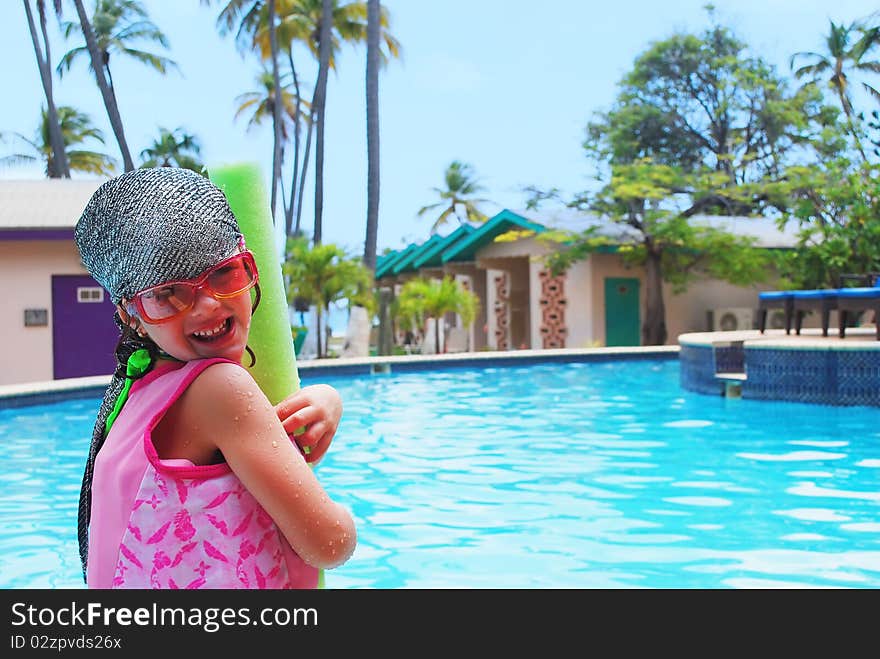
(803, 369)
(39, 393)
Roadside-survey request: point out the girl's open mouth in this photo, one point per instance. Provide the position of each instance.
(214, 333)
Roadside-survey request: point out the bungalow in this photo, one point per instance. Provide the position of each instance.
(58, 321)
(598, 302)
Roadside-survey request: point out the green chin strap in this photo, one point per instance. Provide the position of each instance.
(138, 363)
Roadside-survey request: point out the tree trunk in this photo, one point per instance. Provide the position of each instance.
(297, 229)
(320, 103)
(58, 165)
(319, 315)
(847, 110)
(106, 94)
(373, 31)
(654, 329)
(288, 216)
(276, 109)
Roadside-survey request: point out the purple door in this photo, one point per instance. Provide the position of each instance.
(83, 332)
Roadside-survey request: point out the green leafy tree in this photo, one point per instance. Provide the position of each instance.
(836, 205)
(421, 299)
(76, 129)
(112, 28)
(173, 148)
(846, 50)
(699, 127)
(323, 274)
(456, 199)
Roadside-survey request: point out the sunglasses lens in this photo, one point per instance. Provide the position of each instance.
(232, 277)
(166, 301)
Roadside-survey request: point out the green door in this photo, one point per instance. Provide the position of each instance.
(622, 324)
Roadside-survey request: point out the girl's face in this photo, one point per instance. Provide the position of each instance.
(208, 316)
(212, 327)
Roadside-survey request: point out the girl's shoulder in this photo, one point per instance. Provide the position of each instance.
(220, 399)
(223, 385)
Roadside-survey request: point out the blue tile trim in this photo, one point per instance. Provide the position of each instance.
(697, 370)
(807, 375)
(46, 397)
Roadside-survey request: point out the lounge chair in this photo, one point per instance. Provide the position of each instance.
(821, 300)
(855, 300)
(774, 300)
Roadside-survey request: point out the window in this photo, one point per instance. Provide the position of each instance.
(89, 294)
(36, 317)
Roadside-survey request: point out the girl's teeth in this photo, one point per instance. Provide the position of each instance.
(212, 332)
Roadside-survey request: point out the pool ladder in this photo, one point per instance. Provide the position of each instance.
(728, 360)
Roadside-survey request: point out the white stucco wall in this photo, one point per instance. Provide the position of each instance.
(580, 306)
(29, 265)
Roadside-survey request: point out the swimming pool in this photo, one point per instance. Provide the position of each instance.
(578, 475)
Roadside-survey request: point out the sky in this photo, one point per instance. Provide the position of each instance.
(506, 86)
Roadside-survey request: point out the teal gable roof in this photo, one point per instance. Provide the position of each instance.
(406, 262)
(383, 258)
(465, 250)
(388, 264)
(431, 256)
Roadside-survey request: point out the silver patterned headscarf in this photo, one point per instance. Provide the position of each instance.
(150, 226)
(138, 230)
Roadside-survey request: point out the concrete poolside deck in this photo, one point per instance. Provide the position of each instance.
(857, 338)
(29, 393)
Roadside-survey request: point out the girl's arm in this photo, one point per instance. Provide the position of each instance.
(225, 406)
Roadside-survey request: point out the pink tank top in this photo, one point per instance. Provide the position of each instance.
(171, 524)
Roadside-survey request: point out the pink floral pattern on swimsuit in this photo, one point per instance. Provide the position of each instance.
(199, 533)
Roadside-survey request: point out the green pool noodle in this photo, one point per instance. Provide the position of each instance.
(270, 337)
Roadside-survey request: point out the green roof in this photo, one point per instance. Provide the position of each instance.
(431, 257)
(406, 262)
(382, 258)
(464, 250)
(388, 264)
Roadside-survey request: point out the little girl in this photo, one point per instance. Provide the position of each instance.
(192, 479)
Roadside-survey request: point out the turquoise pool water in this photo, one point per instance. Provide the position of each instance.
(564, 476)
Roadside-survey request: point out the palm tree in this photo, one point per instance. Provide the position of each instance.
(323, 274)
(844, 51)
(460, 185)
(248, 15)
(372, 88)
(76, 128)
(259, 105)
(421, 299)
(114, 24)
(60, 167)
(300, 21)
(173, 148)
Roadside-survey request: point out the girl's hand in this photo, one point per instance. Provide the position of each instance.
(318, 408)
